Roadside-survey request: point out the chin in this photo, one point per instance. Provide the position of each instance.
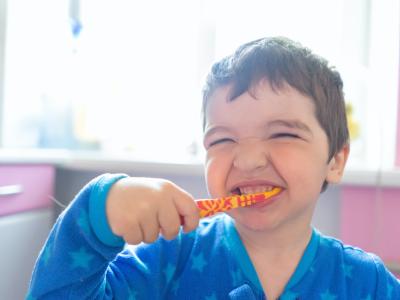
(254, 223)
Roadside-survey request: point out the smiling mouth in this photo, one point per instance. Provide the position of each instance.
(252, 189)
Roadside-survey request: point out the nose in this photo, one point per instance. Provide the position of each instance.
(250, 156)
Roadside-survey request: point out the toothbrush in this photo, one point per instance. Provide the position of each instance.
(209, 207)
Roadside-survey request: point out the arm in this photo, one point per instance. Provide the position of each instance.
(72, 252)
(76, 261)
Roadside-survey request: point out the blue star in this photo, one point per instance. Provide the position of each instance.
(289, 296)
(236, 277)
(212, 297)
(312, 268)
(132, 295)
(389, 289)
(174, 287)
(367, 298)
(83, 222)
(348, 270)
(327, 296)
(169, 272)
(198, 262)
(225, 242)
(81, 258)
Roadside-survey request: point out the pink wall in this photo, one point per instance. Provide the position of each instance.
(397, 163)
(398, 126)
(370, 220)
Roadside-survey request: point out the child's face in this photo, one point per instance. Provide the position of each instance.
(274, 140)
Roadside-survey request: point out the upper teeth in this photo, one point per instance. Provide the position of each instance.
(255, 189)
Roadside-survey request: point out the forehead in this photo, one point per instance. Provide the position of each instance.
(261, 102)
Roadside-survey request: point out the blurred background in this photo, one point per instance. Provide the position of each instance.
(89, 86)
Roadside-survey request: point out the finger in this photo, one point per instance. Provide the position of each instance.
(187, 209)
(150, 228)
(133, 235)
(169, 220)
(191, 222)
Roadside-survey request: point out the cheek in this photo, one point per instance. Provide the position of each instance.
(304, 166)
(216, 172)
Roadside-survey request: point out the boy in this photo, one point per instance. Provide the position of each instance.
(274, 116)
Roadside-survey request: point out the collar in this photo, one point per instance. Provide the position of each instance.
(239, 251)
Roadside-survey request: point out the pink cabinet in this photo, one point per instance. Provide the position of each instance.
(25, 187)
(26, 216)
(370, 220)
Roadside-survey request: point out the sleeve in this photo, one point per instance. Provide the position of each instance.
(388, 286)
(83, 259)
(75, 262)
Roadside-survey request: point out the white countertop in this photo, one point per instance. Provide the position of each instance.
(93, 161)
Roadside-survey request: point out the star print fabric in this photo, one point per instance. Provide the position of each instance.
(81, 260)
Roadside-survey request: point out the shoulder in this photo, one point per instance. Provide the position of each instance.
(353, 256)
(361, 269)
(349, 254)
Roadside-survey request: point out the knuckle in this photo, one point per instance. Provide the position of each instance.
(167, 185)
(119, 227)
(133, 240)
(193, 210)
(150, 239)
(191, 225)
(150, 236)
(171, 232)
(144, 208)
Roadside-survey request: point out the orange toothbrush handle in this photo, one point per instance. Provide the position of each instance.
(209, 207)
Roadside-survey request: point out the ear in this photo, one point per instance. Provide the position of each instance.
(336, 165)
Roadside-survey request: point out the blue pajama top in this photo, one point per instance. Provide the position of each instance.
(83, 259)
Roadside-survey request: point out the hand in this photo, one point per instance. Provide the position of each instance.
(139, 209)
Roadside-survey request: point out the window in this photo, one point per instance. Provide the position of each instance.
(129, 79)
(127, 82)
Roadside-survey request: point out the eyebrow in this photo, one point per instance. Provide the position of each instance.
(213, 129)
(290, 124)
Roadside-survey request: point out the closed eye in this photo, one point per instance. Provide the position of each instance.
(285, 135)
(220, 141)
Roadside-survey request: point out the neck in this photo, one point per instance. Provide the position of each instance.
(277, 242)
